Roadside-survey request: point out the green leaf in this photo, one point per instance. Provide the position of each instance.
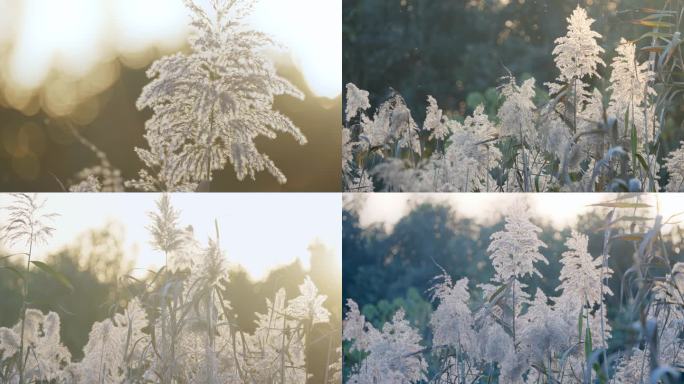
(54, 273)
(657, 35)
(657, 15)
(621, 205)
(653, 23)
(654, 10)
(629, 237)
(600, 373)
(634, 140)
(588, 347)
(656, 49)
(642, 161)
(580, 324)
(497, 292)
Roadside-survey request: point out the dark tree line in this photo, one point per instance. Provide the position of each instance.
(456, 49)
(385, 270)
(381, 264)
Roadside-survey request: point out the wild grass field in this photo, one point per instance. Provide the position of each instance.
(87, 314)
(438, 296)
(566, 108)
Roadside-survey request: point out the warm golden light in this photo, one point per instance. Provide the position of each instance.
(77, 41)
(258, 231)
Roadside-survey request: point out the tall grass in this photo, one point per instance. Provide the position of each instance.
(174, 326)
(584, 137)
(501, 331)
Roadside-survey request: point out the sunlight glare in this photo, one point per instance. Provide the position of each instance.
(559, 209)
(65, 34)
(258, 232)
(312, 29)
(72, 36)
(141, 24)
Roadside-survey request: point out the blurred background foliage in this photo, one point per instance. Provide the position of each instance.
(97, 266)
(388, 269)
(457, 51)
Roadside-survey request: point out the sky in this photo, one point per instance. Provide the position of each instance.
(74, 35)
(560, 209)
(259, 231)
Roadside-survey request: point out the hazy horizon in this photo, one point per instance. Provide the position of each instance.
(559, 209)
(259, 232)
(76, 36)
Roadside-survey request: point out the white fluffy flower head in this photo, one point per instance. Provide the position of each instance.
(577, 54)
(357, 101)
(515, 250)
(309, 304)
(435, 121)
(211, 104)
